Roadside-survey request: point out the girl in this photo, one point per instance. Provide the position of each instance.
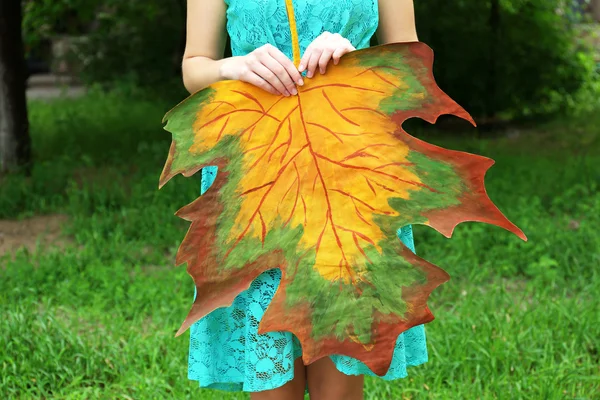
(226, 351)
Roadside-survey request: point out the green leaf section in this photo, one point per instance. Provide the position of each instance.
(403, 98)
(180, 122)
(339, 308)
(440, 176)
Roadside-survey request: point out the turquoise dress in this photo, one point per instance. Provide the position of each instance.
(226, 352)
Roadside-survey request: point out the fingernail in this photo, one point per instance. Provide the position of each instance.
(287, 94)
(294, 91)
(309, 74)
(300, 67)
(300, 82)
(322, 71)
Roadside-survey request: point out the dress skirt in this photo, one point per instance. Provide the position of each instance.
(227, 353)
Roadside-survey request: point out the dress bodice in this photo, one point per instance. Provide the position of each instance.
(253, 23)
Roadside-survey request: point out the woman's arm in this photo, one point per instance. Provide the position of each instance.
(396, 22)
(205, 43)
(203, 62)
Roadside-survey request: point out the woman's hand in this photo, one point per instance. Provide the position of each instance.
(325, 47)
(267, 68)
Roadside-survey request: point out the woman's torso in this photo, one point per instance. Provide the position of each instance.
(253, 23)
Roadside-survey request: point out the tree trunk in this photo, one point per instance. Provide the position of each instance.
(15, 144)
(596, 9)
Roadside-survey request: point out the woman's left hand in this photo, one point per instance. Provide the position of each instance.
(325, 47)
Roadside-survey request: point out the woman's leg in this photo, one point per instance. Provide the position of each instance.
(325, 382)
(293, 390)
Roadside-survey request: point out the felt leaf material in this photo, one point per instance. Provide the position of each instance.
(317, 185)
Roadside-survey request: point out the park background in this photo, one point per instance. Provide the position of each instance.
(89, 295)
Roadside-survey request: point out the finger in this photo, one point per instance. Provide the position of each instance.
(324, 60)
(307, 53)
(304, 60)
(268, 75)
(313, 62)
(338, 53)
(289, 66)
(303, 66)
(281, 72)
(258, 81)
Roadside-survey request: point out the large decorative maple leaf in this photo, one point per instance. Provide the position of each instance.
(317, 185)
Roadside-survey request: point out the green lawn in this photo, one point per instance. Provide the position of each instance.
(95, 317)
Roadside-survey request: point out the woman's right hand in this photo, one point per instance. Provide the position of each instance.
(267, 68)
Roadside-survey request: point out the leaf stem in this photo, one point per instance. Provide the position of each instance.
(294, 31)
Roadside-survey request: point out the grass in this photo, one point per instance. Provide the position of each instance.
(96, 318)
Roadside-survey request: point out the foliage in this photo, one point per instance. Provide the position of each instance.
(539, 65)
(44, 19)
(139, 41)
(531, 63)
(135, 41)
(97, 318)
(588, 98)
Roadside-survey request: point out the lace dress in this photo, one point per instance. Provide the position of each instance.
(226, 352)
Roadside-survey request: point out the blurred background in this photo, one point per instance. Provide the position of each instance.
(89, 295)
